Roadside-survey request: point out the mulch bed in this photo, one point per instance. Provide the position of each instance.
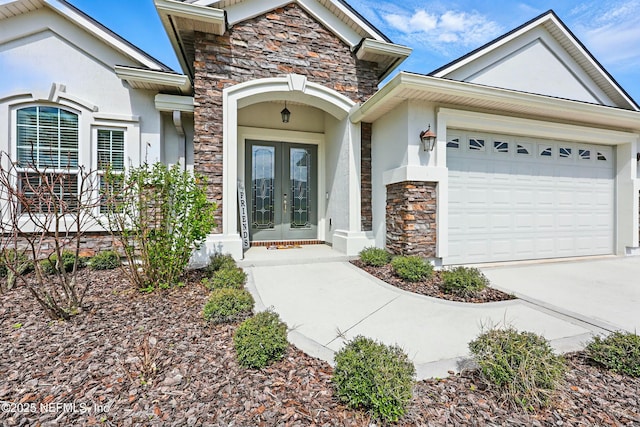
(430, 287)
(97, 359)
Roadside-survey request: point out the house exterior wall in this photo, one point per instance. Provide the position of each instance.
(84, 66)
(533, 63)
(47, 60)
(275, 44)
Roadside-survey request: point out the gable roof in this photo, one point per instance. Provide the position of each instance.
(146, 62)
(554, 26)
(182, 18)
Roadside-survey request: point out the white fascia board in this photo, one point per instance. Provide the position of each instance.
(433, 85)
(333, 23)
(171, 103)
(377, 47)
(77, 18)
(371, 31)
(178, 81)
(194, 12)
(594, 63)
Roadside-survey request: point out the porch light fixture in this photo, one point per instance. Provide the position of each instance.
(285, 113)
(428, 139)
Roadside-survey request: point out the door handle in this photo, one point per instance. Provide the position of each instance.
(284, 203)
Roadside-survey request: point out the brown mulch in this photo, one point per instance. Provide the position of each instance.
(97, 361)
(430, 287)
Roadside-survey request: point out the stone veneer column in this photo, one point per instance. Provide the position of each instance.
(411, 218)
(366, 211)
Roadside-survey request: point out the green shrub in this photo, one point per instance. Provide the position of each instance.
(49, 265)
(219, 262)
(463, 281)
(159, 214)
(260, 340)
(411, 268)
(375, 376)
(228, 305)
(230, 277)
(521, 365)
(375, 257)
(619, 352)
(106, 260)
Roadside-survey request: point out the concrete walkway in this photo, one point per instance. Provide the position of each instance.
(326, 301)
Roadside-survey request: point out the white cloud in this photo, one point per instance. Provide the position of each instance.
(446, 31)
(418, 22)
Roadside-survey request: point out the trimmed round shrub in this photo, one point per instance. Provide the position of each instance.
(619, 352)
(374, 376)
(228, 305)
(463, 281)
(411, 268)
(521, 365)
(375, 257)
(261, 340)
(68, 258)
(219, 261)
(230, 277)
(106, 260)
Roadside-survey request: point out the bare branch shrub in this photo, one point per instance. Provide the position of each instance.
(44, 213)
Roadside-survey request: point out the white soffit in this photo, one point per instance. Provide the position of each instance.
(554, 26)
(414, 87)
(139, 78)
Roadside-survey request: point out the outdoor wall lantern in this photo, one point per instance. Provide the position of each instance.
(285, 113)
(428, 139)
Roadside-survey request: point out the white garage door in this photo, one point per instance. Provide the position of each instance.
(516, 199)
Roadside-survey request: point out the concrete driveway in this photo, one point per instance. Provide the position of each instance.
(604, 292)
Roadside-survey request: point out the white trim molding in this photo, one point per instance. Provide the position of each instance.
(151, 79)
(170, 103)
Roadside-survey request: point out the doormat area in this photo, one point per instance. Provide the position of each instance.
(286, 243)
(277, 247)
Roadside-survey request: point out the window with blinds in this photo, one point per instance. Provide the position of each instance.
(47, 151)
(110, 149)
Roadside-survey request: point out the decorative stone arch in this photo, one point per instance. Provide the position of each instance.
(293, 87)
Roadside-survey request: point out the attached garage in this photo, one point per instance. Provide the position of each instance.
(513, 198)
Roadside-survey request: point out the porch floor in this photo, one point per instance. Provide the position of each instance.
(304, 254)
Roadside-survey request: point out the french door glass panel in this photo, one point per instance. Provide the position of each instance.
(282, 179)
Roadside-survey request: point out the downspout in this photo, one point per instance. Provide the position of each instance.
(182, 140)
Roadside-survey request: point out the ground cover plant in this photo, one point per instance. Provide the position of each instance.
(374, 376)
(226, 277)
(375, 257)
(619, 352)
(105, 260)
(521, 365)
(463, 281)
(261, 340)
(411, 268)
(227, 305)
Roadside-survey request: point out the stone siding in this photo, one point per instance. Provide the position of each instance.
(411, 218)
(286, 40)
(365, 177)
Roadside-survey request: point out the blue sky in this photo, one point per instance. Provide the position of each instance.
(439, 31)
